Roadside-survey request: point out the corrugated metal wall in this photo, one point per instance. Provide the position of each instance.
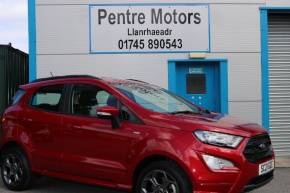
(13, 72)
(279, 81)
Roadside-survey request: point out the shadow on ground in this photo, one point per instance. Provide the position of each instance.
(280, 184)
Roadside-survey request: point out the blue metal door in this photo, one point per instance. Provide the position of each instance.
(198, 82)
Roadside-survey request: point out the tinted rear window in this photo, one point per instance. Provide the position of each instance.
(48, 98)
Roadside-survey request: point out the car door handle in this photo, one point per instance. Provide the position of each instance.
(27, 119)
(77, 127)
(136, 132)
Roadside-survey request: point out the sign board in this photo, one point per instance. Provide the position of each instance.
(149, 28)
(195, 70)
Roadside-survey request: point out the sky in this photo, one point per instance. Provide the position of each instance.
(14, 23)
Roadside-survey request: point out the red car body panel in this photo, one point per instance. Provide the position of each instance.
(88, 150)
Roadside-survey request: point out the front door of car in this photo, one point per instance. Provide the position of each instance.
(42, 119)
(91, 147)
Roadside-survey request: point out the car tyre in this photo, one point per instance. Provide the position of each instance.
(163, 177)
(15, 169)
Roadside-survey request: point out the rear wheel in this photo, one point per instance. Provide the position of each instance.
(15, 170)
(163, 177)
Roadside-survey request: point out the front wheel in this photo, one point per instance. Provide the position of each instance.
(163, 177)
(15, 170)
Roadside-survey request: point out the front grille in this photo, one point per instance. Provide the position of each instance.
(258, 148)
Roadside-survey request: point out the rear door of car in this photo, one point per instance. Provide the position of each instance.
(42, 119)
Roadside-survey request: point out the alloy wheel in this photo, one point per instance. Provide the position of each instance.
(12, 170)
(159, 181)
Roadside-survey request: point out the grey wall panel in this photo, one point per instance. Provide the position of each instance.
(244, 71)
(235, 28)
(63, 46)
(278, 3)
(62, 29)
(249, 111)
(147, 1)
(151, 68)
(244, 74)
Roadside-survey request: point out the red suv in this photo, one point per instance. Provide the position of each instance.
(130, 135)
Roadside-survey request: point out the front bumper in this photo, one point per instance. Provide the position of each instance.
(259, 181)
(244, 177)
(243, 180)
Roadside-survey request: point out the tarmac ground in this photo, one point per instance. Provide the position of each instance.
(280, 184)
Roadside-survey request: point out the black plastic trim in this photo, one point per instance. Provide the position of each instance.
(259, 181)
(64, 77)
(254, 153)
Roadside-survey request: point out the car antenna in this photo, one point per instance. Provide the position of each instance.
(51, 74)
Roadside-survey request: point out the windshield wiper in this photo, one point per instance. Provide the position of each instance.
(184, 112)
(191, 112)
(205, 111)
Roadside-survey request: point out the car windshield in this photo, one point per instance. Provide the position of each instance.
(155, 98)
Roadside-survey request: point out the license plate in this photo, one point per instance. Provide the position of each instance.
(266, 167)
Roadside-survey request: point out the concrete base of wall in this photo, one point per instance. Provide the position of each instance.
(283, 162)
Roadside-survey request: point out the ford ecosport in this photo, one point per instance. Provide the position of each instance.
(128, 135)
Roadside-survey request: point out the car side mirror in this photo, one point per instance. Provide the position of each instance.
(109, 112)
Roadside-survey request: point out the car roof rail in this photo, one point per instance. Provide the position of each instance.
(137, 81)
(64, 77)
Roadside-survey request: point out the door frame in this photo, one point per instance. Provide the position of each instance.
(223, 80)
(264, 13)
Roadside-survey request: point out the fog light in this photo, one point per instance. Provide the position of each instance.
(216, 163)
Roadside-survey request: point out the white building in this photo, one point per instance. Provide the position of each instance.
(231, 56)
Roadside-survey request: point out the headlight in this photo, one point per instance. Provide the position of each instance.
(218, 139)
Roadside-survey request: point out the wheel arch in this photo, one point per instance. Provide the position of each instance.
(159, 157)
(11, 144)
